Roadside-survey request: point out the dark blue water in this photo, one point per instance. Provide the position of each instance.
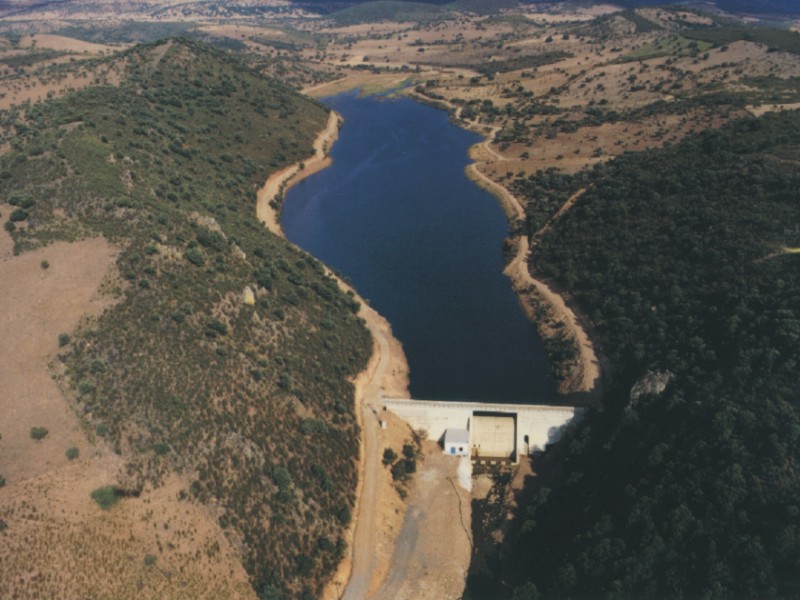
(396, 214)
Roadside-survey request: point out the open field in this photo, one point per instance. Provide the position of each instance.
(57, 541)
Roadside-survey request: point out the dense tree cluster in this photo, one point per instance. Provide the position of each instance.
(682, 259)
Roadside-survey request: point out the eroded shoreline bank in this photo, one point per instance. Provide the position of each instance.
(549, 310)
(386, 374)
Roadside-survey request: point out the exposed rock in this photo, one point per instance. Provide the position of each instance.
(652, 382)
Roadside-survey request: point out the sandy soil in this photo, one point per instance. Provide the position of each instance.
(378, 509)
(38, 305)
(434, 547)
(58, 543)
(758, 111)
(279, 183)
(34, 89)
(66, 44)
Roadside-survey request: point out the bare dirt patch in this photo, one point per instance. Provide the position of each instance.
(38, 305)
(58, 543)
(65, 44)
(433, 549)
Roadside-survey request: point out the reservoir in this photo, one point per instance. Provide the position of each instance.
(396, 216)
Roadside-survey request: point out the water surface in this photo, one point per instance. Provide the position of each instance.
(396, 215)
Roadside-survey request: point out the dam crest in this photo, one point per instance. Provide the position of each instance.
(486, 431)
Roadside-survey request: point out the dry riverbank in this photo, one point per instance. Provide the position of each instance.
(270, 196)
(548, 309)
(378, 512)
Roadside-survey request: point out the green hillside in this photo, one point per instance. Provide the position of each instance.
(679, 258)
(251, 402)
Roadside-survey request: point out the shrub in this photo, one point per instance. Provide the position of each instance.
(194, 256)
(101, 430)
(19, 214)
(21, 200)
(399, 470)
(105, 496)
(2, 481)
(45, 264)
(38, 433)
(86, 387)
(63, 339)
(9, 226)
(388, 456)
(150, 560)
(72, 453)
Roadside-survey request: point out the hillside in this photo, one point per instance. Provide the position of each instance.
(225, 355)
(685, 260)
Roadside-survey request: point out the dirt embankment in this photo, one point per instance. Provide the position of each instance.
(583, 375)
(379, 511)
(279, 183)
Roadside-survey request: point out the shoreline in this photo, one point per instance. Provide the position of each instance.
(386, 373)
(275, 188)
(580, 378)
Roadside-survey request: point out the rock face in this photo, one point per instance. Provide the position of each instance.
(652, 382)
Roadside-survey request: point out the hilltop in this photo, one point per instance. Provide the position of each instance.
(223, 355)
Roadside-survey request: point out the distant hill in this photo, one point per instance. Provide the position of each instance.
(761, 7)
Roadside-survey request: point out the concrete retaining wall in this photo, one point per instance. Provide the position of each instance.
(541, 424)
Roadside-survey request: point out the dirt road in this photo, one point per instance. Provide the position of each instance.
(433, 549)
(365, 559)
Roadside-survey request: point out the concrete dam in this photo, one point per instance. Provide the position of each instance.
(486, 431)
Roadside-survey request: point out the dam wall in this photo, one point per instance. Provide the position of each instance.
(535, 426)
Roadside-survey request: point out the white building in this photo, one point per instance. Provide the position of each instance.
(456, 442)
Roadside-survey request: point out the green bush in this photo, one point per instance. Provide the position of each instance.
(105, 496)
(72, 453)
(21, 200)
(389, 456)
(194, 256)
(38, 433)
(399, 470)
(19, 214)
(63, 339)
(150, 560)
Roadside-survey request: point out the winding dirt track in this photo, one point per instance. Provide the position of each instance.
(386, 373)
(368, 395)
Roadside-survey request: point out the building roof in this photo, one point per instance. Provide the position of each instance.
(456, 436)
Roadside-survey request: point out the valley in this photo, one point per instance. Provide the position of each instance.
(173, 370)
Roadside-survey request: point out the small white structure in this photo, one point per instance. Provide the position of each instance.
(456, 442)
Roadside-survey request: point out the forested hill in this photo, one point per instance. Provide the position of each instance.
(686, 260)
(187, 372)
